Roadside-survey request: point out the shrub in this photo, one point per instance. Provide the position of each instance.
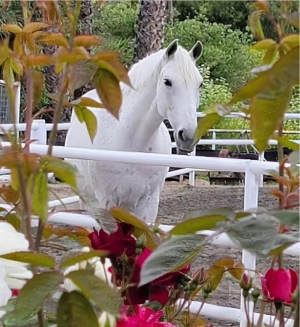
(222, 47)
(115, 19)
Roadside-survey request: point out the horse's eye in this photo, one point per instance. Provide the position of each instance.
(200, 85)
(168, 82)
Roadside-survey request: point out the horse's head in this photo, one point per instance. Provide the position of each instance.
(178, 92)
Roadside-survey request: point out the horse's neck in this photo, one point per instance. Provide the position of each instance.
(142, 116)
(141, 103)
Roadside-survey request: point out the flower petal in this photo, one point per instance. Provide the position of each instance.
(5, 293)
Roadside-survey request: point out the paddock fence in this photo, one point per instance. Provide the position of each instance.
(253, 169)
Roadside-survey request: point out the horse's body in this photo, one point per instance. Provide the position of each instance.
(140, 128)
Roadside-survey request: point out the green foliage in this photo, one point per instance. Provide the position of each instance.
(213, 91)
(187, 9)
(115, 24)
(222, 45)
(115, 19)
(234, 13)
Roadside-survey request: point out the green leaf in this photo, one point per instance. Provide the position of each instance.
(81, 257)
(255, 25)
(287, 217)
(270, 54)
(86, 116)
(204, 124)
(121, 215)
(32, 297)
(259, 234)
(267, 115)
(285, 142)
(37, 259)
(187, 317)
(250, 89)
(61, 169)
(97, 290)
(87, 102)
(108, 89)
(293, 19)
(38, 187)
(264, 44)
(171, 255)
(202, 221)
(214, 275)
(38, 80)
(74, 310)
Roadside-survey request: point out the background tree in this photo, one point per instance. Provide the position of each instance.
(150, 28)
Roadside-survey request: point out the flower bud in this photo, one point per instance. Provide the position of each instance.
(141, 242)
(255, 294)
(138, 251)
(193, 286)
(207, 289)
(246, 283)
(124, 259)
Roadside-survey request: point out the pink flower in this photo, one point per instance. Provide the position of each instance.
(143, 317)
(279, 285)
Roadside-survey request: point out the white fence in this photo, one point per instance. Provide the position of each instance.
(252, 170)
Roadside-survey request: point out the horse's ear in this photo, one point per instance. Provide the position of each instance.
(171, 49)
(196, 51)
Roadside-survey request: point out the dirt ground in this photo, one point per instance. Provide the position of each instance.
(179, 198)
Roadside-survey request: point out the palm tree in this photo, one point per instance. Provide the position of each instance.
(150, 28)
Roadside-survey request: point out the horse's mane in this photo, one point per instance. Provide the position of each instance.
(150, 67)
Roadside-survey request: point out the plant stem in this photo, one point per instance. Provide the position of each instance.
(41, 318)
(28, 105)
(297, 314)
(261, 314)
(247, 311)
(57, 114)
(39, 235)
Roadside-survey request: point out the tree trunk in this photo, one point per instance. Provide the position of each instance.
(150, 28)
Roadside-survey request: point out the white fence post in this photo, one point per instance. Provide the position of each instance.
(192, 174)
(40, 133)
(214, 135)
(248, 258)
(261, 157)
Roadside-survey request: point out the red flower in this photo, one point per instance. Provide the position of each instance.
(15, 292)
(115, 243)
(279, 285)
(157, 289)
(144, 317)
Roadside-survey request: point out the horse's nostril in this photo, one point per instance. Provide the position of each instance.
(181, 135)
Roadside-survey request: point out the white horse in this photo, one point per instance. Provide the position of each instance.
(165, 86)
